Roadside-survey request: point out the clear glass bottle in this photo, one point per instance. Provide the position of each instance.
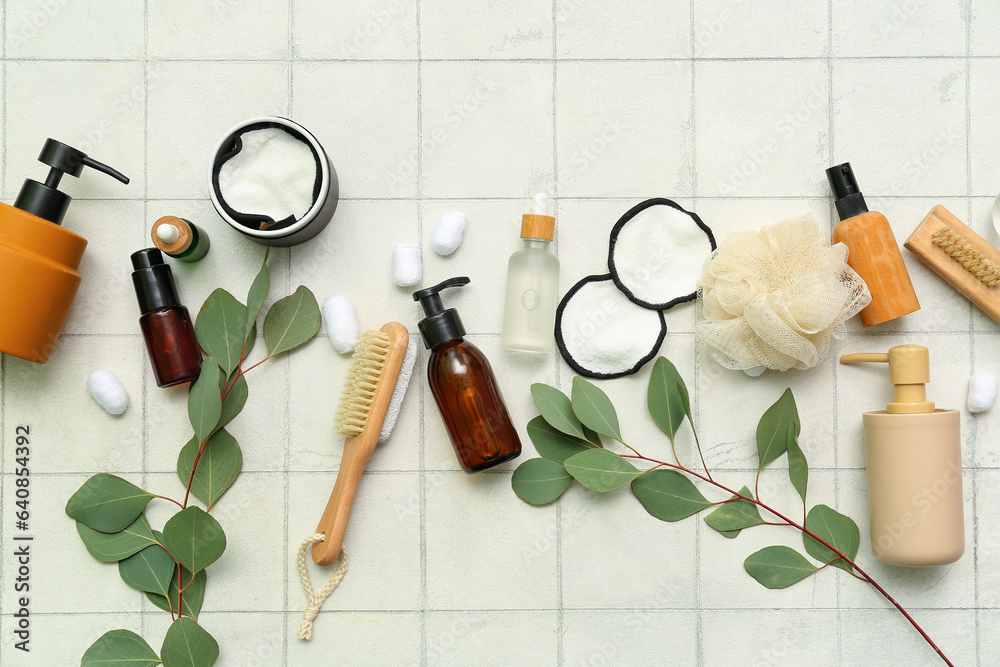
(529, 314)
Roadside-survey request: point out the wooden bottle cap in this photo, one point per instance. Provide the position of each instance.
(184, 239)
(534, 226)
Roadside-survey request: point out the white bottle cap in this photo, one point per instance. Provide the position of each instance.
(540, 204)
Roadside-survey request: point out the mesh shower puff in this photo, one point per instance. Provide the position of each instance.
(777, 297)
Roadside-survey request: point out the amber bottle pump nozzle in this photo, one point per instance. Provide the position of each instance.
(909, 371)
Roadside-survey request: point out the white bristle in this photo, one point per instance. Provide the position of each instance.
(362, 380)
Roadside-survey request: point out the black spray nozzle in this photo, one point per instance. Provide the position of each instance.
(44, 199)
(439, 325)
(847, 195)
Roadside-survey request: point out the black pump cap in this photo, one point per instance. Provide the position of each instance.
(848, 198)
(153, 281)
(45, 199)
(440, 325)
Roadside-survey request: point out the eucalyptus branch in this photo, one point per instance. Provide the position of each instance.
(110, 510)
(667, 490)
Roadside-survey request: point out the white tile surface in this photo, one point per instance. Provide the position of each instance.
(731, 108)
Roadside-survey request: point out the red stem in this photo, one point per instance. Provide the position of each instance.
(864, 575)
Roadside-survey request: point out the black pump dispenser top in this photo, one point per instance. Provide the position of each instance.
(440, 325)
(153, 281)
(848, 198)
(45, 199)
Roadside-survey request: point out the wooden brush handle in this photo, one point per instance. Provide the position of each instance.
(357, 451)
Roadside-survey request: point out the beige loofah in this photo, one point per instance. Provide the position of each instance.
(777, 297)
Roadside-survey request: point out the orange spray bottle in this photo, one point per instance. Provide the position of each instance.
(39, 259)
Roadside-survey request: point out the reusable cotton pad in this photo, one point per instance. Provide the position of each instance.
(273, 175)
(602, 334)
(657, 249)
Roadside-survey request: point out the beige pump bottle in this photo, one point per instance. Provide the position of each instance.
(913, 454)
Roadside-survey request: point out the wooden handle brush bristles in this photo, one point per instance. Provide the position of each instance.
(972, 251)
(364, 403)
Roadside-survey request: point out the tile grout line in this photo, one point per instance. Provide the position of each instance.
(145, 218)
(622, 198)
(699, 618)
(560, 612)
(833, 218)
(972, 338)
(958, 57)
(288, 367)
(422, 454)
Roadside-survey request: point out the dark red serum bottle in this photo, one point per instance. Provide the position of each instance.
(166, 324)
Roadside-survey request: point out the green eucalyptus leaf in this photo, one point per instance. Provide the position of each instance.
(291, 321)
(772, 429)
(194, 538)
(557, 409)
(218, 467)
(112, 547)
(221, 329)
(552, 443)
(148, 570)
(120, 648)
(667, 403)
(798, 468)
(540, 481)
(591, 436)
(255, 298)
(601, 470)
(107, 503)
(235, 401)
(204, 401)
(194, 594)
(668, 495)
(735, 515)
(595, 409)
(778, 567)
(187, 644)
(837, 530)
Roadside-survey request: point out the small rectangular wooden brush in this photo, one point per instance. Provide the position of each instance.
(961, 256)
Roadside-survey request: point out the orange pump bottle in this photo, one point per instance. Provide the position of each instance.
(872, 251)
(39, 259)
(464, 387)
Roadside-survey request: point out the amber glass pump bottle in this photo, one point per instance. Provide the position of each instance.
(464, 386)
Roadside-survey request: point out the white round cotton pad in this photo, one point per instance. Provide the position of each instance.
(982, 391)
(657, 249)
(602, 334)
(273, 174)
(341, 323)
(108, 391)
(448, 233)
(407, 270)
